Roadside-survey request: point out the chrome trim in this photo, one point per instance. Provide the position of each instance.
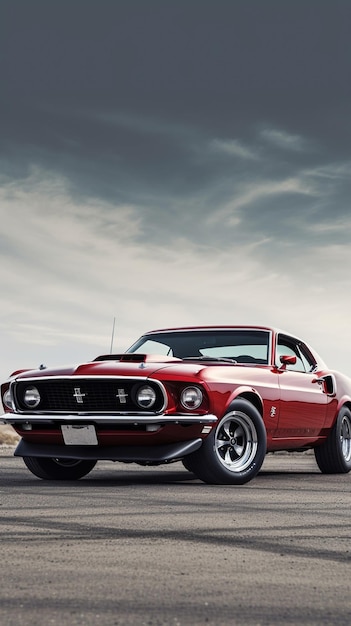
(84, 377)
(270, 348)
(36, 418)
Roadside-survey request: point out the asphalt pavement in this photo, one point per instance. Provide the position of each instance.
(129, 545)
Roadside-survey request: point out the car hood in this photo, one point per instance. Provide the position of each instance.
(147, 367)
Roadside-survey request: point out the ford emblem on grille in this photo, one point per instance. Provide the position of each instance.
(78, 395)
(122, 396)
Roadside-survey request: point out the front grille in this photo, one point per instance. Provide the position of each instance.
(88, 395)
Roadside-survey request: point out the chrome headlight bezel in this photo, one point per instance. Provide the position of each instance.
(7, 399)
(31, 397)
(145, 396)
(191, 398)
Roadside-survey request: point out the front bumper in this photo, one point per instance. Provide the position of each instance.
(152, 455)
(84, 418)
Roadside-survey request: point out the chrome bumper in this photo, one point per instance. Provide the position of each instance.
(83, 418)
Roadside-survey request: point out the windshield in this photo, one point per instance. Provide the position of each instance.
(243, 346)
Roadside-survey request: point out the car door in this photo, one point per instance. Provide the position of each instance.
(303, 404)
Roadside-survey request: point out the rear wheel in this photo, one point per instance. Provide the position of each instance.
(334, 456)
(58, 469)
(234, 452)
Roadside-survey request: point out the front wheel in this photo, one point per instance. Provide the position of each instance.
(334, 456)
(234, 452)
(58, 469)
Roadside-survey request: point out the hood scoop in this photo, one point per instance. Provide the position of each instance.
(134, 357)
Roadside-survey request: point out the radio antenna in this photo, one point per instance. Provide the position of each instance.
(113, 334)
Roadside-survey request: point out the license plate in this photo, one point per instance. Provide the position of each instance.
(77, 435)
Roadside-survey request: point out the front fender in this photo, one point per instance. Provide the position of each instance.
(250, 394)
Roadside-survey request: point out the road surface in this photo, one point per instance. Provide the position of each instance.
(138, 546)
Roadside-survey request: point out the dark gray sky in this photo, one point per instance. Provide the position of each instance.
(171, 162)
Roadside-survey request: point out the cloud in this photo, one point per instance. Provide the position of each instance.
(284, 140)
(332, 171)
(257, 191)
(69, 267)
(234, 148)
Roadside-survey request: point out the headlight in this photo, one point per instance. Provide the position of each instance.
(146, 397)
(7, 399)
(191, 397)
(31, 397)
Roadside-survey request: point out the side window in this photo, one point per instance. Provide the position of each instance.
(289, 348)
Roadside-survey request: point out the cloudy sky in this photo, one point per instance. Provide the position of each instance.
(173, 162)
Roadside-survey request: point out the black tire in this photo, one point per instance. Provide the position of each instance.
(334, 456)
(187, 462)
(234, 451)
(58, 469)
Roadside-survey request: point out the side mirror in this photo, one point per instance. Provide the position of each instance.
(287, 359)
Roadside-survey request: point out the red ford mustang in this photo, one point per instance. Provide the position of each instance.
(217, 398)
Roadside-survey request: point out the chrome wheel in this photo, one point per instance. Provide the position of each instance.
(345, 438)
(236, 441)
(234, 451)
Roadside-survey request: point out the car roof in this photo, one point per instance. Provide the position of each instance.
(217, 327)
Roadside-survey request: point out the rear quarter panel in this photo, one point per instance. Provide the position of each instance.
(342, 397)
